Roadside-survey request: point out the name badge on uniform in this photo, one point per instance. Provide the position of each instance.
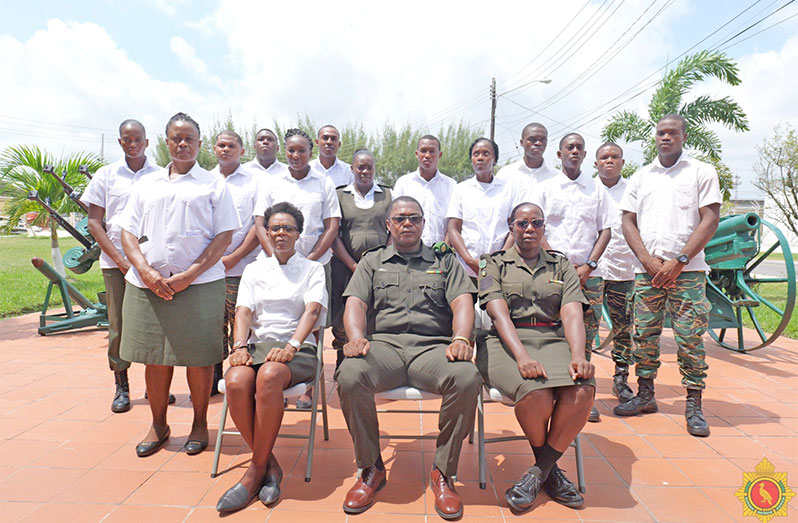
(485, 282)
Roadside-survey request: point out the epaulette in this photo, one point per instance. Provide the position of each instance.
(556, 253)
(441, 248)
(500, 251)
(342, 186)
(385, 186)
(374, 249)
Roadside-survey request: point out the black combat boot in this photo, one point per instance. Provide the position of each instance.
(620, 386)
(696, 424)
(643, 402)
(121, 401)
(217, 377)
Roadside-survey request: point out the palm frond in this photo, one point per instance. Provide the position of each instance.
(704, 110)
(627, 126)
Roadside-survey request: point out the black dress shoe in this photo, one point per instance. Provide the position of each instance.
(194, 446)
(146, 448)
(560, 489)
(594, 416)
(521, 495)
(236, 498)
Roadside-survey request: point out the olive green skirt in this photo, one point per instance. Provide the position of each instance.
(543, 344)
(302, 365)
(183, 332)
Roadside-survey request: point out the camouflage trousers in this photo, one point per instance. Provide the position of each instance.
(594, 293)
(688, 308)
(228, 328)
(619, 296)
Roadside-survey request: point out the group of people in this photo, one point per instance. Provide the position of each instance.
(444, 286)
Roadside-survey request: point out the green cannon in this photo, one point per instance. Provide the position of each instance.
(89, 315)
(733, 255)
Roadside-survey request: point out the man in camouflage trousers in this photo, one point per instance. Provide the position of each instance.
(670, 211)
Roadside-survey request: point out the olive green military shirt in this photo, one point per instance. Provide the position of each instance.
(409, 293)
(530, 292)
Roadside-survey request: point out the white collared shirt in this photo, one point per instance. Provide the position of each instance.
(666, 201)
(277, 295)
(314, 195)
(519, 172)
(363, 202)
(618, 261)
(276, 167)
(339, 172)
(433, 196)
(484, 209)
(243, 187)
(576, 212)
(176, 220)
(110, 188)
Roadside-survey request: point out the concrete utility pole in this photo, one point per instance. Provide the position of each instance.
(492, 107)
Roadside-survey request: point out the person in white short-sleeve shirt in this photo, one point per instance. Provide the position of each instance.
(479, 209)
(266, 148)
(328, 164)
(106, 195)
(531, 169)
(671, 210)
(310, 192)
(170, 220)
(430, 187)
(579, 217)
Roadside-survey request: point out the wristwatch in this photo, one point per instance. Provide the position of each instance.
(239, 345)
(683, 259)
(294, 343)
(591, 264)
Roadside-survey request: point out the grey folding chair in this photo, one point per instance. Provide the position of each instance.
(317, 383)
(494, 396)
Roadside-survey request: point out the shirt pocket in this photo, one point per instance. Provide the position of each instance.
(686, 196)
(433, 291)
(514, 295)
(386, 289)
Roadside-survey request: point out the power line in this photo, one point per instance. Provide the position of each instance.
(42, 122)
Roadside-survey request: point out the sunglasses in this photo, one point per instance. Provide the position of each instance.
(286, 228)
(415, 219)
(524, 224)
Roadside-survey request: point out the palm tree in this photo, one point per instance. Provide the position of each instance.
(703, 110)
(21, 171)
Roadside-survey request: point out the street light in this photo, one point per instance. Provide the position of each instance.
(494, 97)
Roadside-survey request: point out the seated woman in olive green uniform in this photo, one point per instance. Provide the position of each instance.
(535, 352)
(364, 206)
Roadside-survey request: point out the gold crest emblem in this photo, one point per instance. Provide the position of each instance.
(764, 492)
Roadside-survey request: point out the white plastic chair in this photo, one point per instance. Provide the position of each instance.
(317, 383)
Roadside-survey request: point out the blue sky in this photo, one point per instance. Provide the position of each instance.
(92, 64)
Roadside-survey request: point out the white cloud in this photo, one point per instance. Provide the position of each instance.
(74, 73)
(193, 63)
(167, 7)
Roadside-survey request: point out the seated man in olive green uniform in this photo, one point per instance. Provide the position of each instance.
(409, 315)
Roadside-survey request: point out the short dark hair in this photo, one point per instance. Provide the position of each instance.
(328, 126)
(534, 125)
(362, 151)
(299, 132)
(677, 117)
(609, 144)
(133, 123)
(285, 208)
(429, 137)
(404, 199)
(522, 204)
(268, 131)
(562, 140)
(483, 139)
(229, 133)
(182, 117)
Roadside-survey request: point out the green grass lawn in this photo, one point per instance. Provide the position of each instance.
(23, 287)
(775, 293)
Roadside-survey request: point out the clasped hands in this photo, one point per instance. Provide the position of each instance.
(165, 288)
(578, 368)
(241, 355)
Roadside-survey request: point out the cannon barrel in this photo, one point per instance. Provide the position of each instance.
(56, 278)
(87, 243)
(68, 189)
(734, 239)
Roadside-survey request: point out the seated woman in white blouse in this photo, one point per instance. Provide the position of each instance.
(281, 299)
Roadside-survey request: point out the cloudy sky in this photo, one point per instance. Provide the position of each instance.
(73, 70)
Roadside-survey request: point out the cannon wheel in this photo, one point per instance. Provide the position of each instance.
(741, 291)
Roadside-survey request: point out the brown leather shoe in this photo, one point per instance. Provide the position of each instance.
(447, 501)
(361, 496)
